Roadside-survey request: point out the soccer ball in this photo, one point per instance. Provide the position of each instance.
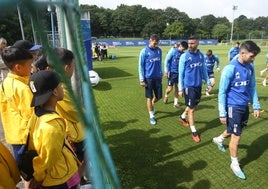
(94, 77)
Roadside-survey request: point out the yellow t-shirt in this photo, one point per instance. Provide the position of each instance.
(10, 175)
(15, 101)
(55, 163)
(66, 109)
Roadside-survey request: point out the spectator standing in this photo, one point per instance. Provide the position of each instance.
(15, 99)
(3, 67)
(66, 108)
(55, 165)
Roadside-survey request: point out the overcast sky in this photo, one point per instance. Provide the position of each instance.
(196, 8)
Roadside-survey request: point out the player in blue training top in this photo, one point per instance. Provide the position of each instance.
(233, 51)
(150, 74)
(237, 88)
(171, 70)
(192, 70)
(210, 60)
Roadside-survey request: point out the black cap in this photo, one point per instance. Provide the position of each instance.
(42, 85)
(25, 44)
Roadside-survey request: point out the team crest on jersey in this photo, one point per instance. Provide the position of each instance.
(249, 71)
(237, 75)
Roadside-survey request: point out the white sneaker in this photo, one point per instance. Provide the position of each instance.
(237, 171)
(152, 120)
(219, 144)
(207, 93)
(264, 82)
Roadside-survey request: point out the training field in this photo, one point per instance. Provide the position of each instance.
(164, 156)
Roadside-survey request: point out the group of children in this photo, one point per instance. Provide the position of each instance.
(36, 108)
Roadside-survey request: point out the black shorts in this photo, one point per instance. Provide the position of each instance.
(172, 78)
(154, 87)
(192, 96)
(237, 118)
(211, 75)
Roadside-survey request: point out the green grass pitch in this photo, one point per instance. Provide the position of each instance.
(164, 156)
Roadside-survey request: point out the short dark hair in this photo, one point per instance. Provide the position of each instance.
(14, 55)
(184, 44)
(193, 37)
(41, 63)
(250, 46)
(209, 52)
(155, 37)
(66, 56)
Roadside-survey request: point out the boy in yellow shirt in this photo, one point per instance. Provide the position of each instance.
(16, 98)
(66, 108)
(55, 166)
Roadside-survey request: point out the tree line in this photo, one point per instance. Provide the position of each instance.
(170, 23)
(137, 21)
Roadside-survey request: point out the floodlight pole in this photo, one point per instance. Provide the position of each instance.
(232, 28)
(51, 11)
(169, 35)
(21, 25)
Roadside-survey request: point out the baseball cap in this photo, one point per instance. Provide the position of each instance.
(42, 85)
(25, 44)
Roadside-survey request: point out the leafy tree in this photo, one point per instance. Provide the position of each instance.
(150, 28)
(174, 30)
(220, 32)
(207, 24)
(139, 21)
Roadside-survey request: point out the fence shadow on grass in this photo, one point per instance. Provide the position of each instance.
(139, 156)
(255, 150)
(111, 72)
(114, 125)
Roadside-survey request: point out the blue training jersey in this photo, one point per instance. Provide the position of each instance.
(172, 60)
(233, 52)
(150, 63)
(210, 62)
(237, 87)
(192, 70)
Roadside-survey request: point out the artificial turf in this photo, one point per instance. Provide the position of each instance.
(164, 156)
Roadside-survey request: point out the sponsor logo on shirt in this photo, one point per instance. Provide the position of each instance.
(193, 65)
(241, 83)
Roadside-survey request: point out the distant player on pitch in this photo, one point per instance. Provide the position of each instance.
(210, 60)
